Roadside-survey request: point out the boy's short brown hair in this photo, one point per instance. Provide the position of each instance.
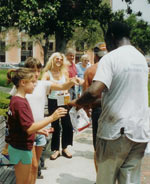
(32, 63)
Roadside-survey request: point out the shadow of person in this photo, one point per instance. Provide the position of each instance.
(70, 179)
(84, 154)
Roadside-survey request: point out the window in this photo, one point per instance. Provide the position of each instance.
(30, 46)
(26, 50)
(23, 46)
(23, 58)
(51, 46)
(26, 46)
(2, 46)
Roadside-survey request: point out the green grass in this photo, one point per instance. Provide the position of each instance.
(3, 78)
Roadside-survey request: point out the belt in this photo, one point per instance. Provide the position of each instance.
(122, 130)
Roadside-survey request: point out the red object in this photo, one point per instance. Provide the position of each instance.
(72, 70)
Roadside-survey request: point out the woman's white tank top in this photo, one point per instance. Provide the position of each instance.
(53, 94)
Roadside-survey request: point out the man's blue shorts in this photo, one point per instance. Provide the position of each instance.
(17, 155)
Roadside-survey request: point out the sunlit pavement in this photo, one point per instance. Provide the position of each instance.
(80, 169)
(145, 177)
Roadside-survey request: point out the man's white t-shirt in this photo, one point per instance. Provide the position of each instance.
(124, 71)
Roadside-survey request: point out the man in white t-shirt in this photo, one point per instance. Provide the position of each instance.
(123, 130)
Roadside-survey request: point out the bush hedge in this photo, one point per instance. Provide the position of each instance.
(4, 102)
(3, 78)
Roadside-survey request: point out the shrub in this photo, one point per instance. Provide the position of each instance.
(4, 102)
(3, 112)
(3, 78)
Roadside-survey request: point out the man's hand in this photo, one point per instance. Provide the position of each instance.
(74, 104)
(75, 81)
(88, 111)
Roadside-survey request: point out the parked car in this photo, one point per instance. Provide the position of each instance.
(6, 66)
(11, 66)
(21, 64)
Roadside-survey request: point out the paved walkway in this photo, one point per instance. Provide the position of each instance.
(80, 169)
(4, 89)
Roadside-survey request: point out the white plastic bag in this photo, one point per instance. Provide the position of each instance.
(79, 119)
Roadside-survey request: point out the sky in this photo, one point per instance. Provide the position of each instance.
(137, 5)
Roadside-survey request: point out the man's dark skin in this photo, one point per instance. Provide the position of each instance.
(92, 95)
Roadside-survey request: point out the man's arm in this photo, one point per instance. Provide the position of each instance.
(91, 94)
(65, 86)
(86, 81)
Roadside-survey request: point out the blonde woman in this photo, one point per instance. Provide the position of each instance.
(56, 71)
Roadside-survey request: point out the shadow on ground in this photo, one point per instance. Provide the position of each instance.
(70, 179)
(85, 154)
(83, 140)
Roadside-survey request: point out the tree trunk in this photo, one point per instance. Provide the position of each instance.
(45, 47)
(60, 42)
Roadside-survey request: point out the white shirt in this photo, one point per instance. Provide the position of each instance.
(54, 93)
(125, 104)
(37, 99)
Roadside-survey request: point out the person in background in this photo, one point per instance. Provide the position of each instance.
(99, 52)
(70, 55)
(81, 68)
(123, 127)
(37, 102)
(56, 71)
(21, 124)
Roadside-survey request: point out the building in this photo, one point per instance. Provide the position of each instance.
(15, 47)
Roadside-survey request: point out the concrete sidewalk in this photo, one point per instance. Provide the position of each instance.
(4, 89)
(80, 169)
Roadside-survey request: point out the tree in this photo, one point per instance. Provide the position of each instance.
(140, 33)
(86, 37)
(61, 18)
(55, 17)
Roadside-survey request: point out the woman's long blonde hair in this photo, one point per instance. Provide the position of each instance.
(50, 63)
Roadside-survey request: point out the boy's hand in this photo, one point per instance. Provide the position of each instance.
(45, 131)
(60, 112)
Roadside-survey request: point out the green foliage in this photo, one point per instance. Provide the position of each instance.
(140, 33)
(4, 102)
(51, 17)
(86, 38)
(65, 19)
(3, 78)
(3, 112)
